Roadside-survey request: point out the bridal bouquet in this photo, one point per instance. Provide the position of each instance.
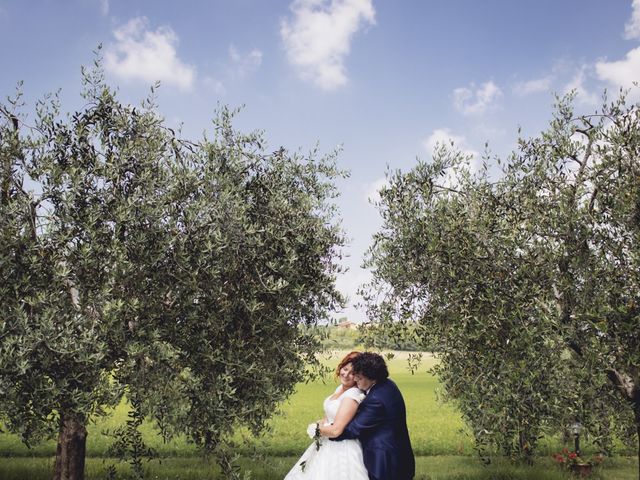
(313, 430)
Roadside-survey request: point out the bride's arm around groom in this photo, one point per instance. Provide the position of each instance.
(380, 422)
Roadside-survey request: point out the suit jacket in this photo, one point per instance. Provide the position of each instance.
(381, 426)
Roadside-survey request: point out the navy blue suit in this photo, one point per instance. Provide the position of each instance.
(381, 426)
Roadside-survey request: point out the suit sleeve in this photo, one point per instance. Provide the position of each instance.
(369, 416)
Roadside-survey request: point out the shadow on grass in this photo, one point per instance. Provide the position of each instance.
(275, 468)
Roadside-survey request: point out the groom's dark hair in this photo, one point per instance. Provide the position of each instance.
(371, 365)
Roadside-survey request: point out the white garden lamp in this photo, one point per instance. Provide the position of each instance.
(576, 429)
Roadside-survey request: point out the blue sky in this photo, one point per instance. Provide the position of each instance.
(385, 79)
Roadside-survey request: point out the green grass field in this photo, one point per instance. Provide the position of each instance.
(440, 441)
(449, 467)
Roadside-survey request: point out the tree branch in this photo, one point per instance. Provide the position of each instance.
(624, 384)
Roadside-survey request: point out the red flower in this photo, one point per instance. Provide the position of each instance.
(559, 458)
(573, 455)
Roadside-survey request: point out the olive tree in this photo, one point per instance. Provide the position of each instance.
(525, 281)
(135, 262)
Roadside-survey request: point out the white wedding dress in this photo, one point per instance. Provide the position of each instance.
(340, 460)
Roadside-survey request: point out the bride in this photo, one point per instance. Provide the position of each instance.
(326, 459)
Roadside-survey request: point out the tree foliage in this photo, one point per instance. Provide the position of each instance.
(132, 259)
(526, 281)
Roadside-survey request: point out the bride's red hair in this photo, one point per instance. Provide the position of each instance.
(347, 359)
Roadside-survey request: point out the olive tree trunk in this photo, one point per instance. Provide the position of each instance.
(630, 390)
(638, 431)
(72, 443)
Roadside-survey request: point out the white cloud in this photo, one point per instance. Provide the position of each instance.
(242, 65)
(444, 137)
(348, 284)
(215, 85)
(104, 7)
(318, 38)
(372, 190)
(149, 56)
(488, 132)
(576, 84)
(237, 68)
(473, 101)
(632, 27)
(621, 73)
(535, 85)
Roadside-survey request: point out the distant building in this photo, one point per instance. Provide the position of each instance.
(348, 324)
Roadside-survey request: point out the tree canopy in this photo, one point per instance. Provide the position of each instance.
(133, 260)
(526, 280)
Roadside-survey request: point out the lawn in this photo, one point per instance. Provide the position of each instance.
(436, 428)
(438, 467)
(440, 441)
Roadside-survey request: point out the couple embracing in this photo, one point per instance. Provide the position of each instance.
(363, 435)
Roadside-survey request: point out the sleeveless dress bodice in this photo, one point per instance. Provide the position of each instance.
(331, 406)
(334, 460)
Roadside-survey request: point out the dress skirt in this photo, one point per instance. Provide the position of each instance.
(333, 461)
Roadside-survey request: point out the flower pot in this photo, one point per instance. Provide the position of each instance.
(582, 469)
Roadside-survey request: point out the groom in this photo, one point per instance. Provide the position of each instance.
(380, 422)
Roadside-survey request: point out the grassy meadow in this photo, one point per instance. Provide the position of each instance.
(440, 441)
